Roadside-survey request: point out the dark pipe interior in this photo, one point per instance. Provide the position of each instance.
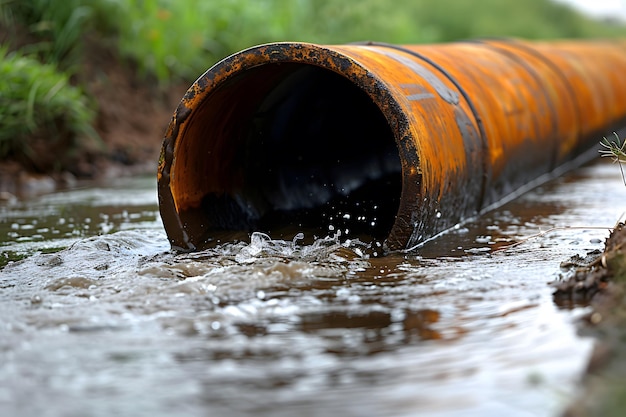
(317, 156)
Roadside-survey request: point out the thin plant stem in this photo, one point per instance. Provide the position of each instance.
(615, 151)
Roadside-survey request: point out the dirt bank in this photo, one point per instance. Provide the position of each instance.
(600, 282)
(132, 114)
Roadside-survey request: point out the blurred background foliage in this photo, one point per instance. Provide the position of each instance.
(173, 41)
(37, 102)
(178, 40)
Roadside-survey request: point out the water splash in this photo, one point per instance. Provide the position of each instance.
(120, 323)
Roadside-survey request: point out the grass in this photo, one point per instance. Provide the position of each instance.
(177, 41)
(37, 100)
(57, 27)
(180, 40)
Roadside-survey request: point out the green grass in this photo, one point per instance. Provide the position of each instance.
(57, 27)
(37, 100)
(179, 40)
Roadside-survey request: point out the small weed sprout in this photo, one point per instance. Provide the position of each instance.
(613, 149)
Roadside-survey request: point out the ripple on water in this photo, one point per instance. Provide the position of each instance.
(118, 324)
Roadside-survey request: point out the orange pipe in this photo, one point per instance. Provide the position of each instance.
(386, 141)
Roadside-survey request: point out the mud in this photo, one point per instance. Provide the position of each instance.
(600, 282)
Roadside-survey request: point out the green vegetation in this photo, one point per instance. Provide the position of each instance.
(37, 101)
(175, 41)
(56, 28)
(180, 40)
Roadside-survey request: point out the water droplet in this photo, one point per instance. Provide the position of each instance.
(438, 215)
(216, 325)
(260, 294)
(298, 236)
(483, 239)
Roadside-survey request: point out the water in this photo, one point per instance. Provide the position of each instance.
(115, 324)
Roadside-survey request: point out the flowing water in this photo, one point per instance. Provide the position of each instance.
(99, 318)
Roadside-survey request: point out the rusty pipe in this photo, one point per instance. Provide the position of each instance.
(398, 143)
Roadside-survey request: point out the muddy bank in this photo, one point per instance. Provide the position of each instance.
(600, 281)
(133, 111)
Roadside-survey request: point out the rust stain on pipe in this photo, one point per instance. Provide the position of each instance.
(394, 142)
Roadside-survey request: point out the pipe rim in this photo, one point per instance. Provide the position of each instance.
(325, 57)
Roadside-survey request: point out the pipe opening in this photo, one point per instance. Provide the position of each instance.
(284, 148)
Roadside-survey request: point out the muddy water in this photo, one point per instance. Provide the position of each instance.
(100, 319)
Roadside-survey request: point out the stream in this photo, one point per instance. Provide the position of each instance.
(100, 318)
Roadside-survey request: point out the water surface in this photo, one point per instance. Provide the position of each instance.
(99, 318)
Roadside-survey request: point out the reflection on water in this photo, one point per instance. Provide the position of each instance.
(117, 324)
(52, 222)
